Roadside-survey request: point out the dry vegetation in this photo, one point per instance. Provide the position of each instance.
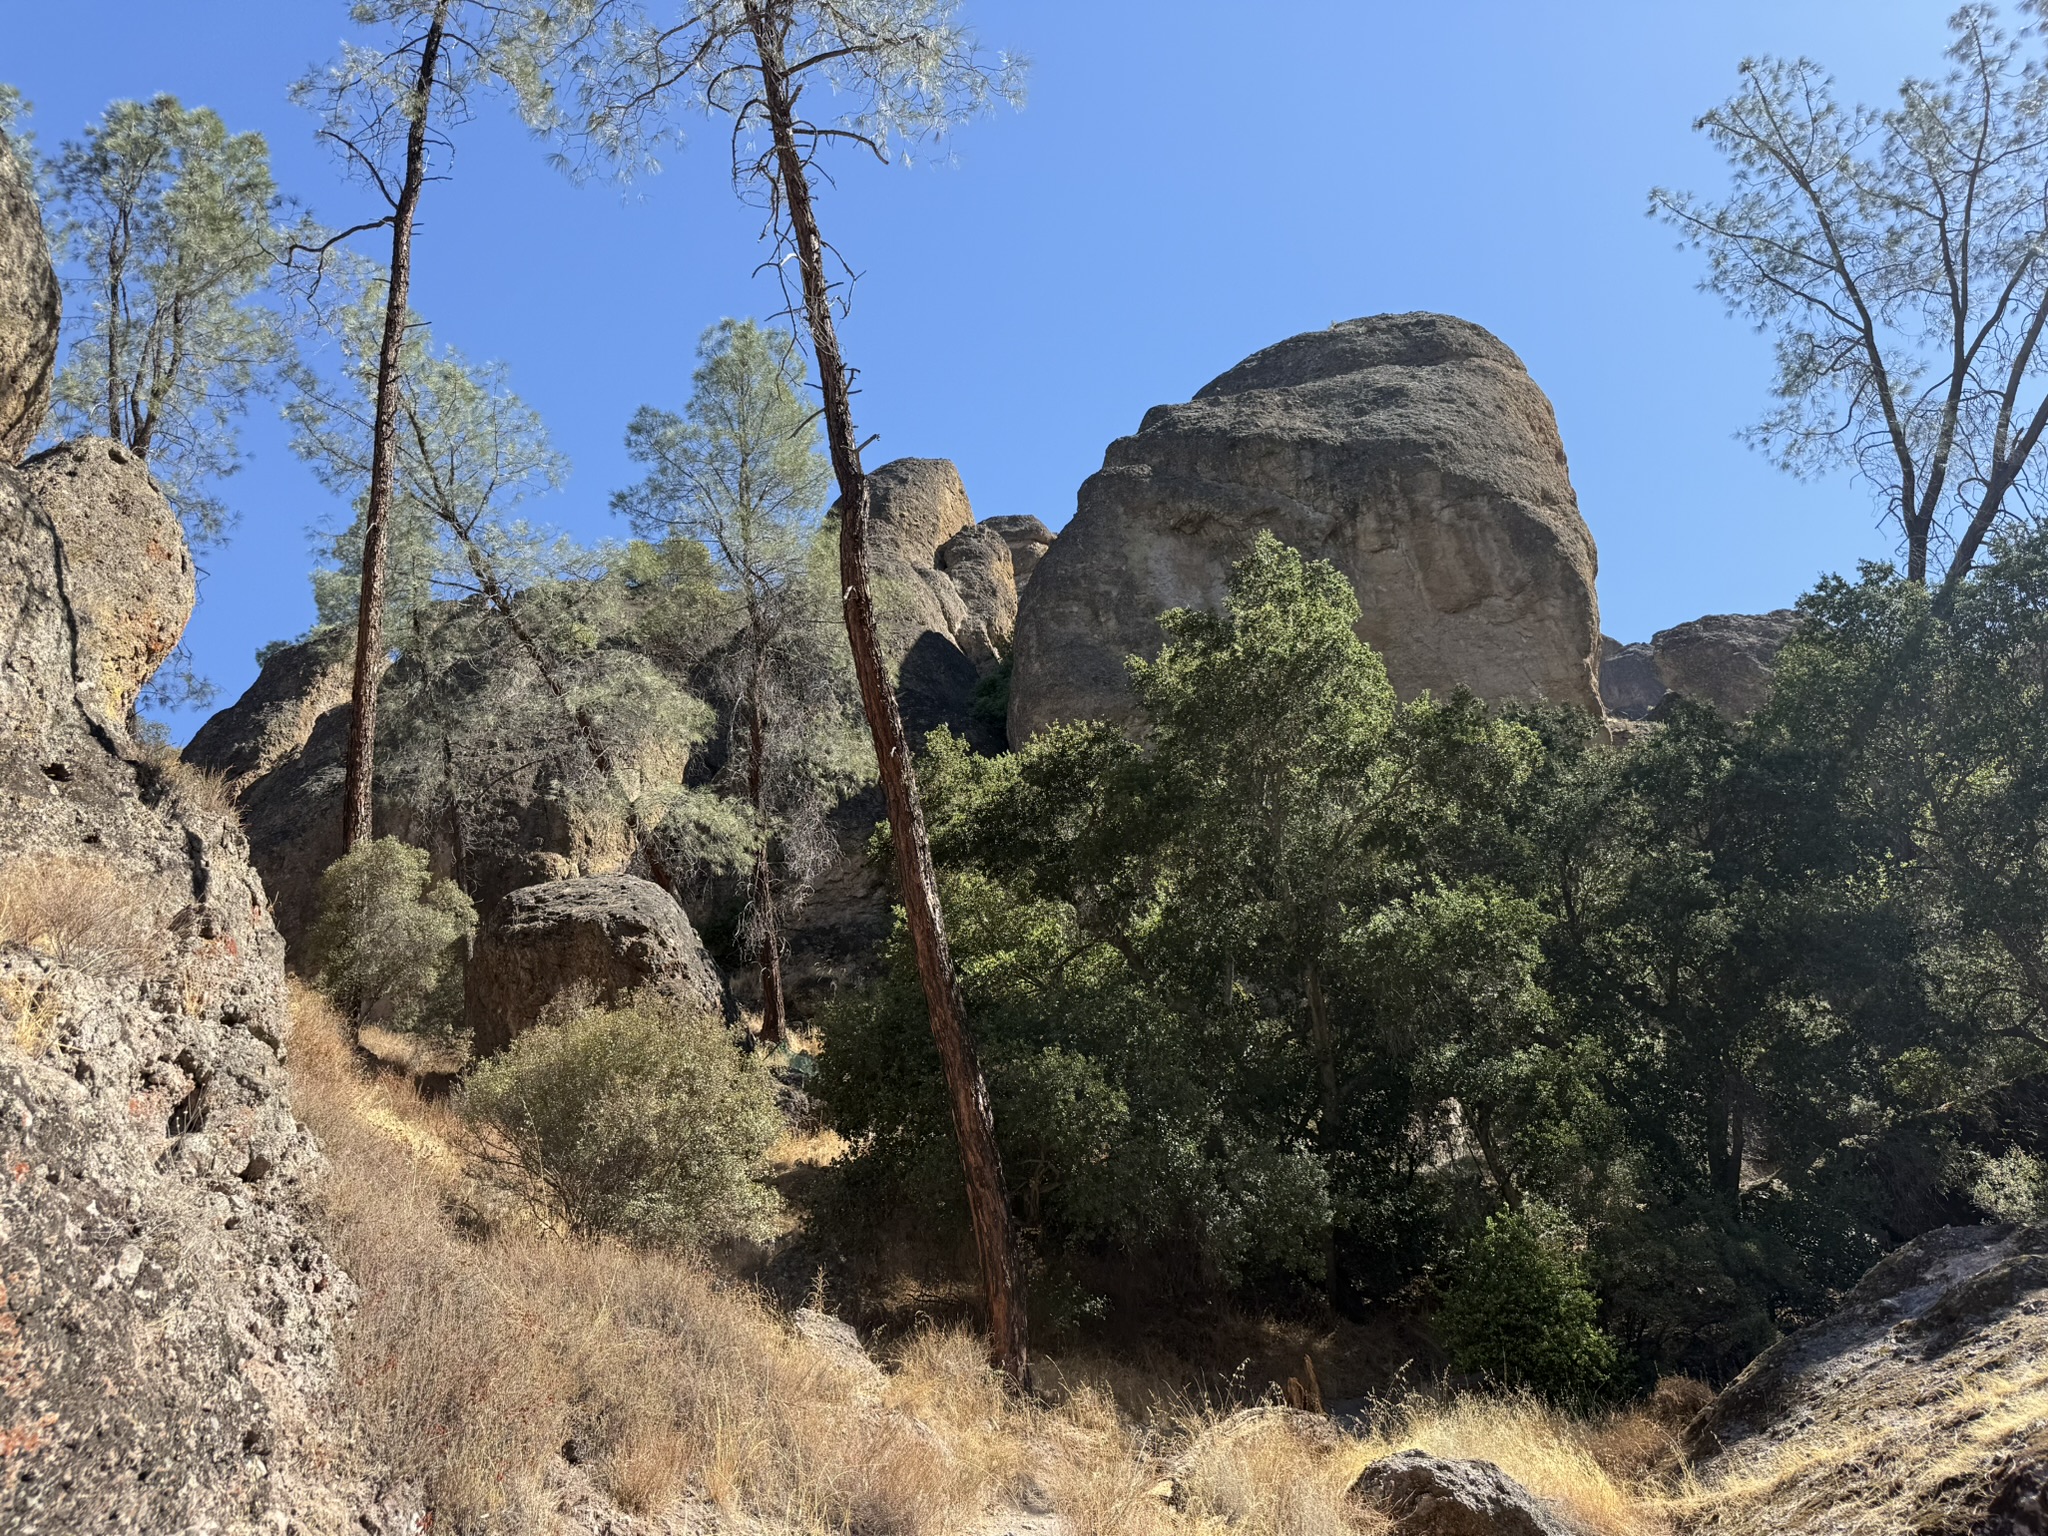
(483, 1347)
(80, 912)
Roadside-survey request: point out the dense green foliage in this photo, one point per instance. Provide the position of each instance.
(391, 939)
(1300, 989)
(644, 1121)
(1518, 1313)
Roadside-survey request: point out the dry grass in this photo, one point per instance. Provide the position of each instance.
(473, 1360)
(1896, 1456)
(80, 912)
(199, 791)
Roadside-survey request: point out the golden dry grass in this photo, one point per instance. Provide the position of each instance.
(473, 1360)
(79, 911)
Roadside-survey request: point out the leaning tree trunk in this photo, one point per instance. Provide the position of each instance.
(356, 798)
(768, 932)
(974, 1125)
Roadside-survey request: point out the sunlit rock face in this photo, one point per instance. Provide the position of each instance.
(1413, 452)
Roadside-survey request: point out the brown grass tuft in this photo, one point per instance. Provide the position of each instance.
(80, 912)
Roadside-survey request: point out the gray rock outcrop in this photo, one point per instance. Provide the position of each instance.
(1725, 659)
(165, 1319)
(1028, 539)
(1412, 451)
(612, 933)
(1426, 1495)
(1897, 1372)
(30, 307)
(135, 582)
(273, 721)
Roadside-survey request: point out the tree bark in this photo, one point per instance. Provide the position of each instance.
(973, 1118)
(356, 796)
(772, 1010)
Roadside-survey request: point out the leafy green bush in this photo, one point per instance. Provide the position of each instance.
(643, 1121)
(391, 939)
(1518, 1311)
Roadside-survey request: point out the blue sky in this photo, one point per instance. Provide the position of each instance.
(1184, 187)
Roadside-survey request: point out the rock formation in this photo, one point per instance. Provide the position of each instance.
(1725, 659)
(275, 719)
(137, 582)
(1028, 539)
(1412, 451)
(947, 594)
(30, 305)
(613, 933)
(1900, 1377)
(165, 1320)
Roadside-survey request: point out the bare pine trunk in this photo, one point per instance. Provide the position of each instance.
(362, 729)
(769, 931)
(973, 1119)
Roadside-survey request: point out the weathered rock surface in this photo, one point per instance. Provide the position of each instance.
(946, 592)
(614, 933)
(274, 720)
(1899, 1376)
(1412, 451)
(1630, 684)
(1725, 659)
(1028, 539)
(1428, 1495)
(134, 582)
(30, 307)
(165, 1322)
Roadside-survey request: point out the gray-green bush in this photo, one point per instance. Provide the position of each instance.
(643, 1120)
(391, 939)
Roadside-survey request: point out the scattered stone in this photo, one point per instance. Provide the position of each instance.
(1428, 1495)
(1412, 451)
(614, 933)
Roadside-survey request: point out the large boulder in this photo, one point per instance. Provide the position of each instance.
(166, 1318)
(1426, 1495)
(611, 933)
(1412, 451)
(30, 307)
(297, 684)
(1725, 659)
(946, 592)
(135, 582)
(1028, 539)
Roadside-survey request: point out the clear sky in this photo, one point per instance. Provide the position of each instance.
(1190, 181)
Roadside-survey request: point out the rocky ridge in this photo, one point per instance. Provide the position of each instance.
(1725, 659)
(1414, 452)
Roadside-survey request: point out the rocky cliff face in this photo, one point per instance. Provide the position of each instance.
(165, 1320)
(1412, 451)
(1725, 659)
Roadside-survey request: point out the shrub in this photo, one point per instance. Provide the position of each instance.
(643, 1121)
(2012, 1188)
(1519, 1313)
(391, 939)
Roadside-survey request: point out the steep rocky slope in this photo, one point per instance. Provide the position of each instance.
(1412, 451)
(165, 1319)
(1920, 1405)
